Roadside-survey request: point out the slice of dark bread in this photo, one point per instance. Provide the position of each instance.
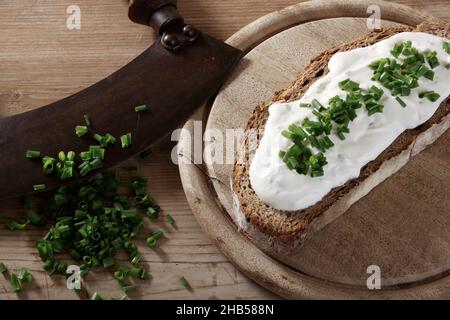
(279, 230)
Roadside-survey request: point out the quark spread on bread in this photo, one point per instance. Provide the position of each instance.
(369, 136)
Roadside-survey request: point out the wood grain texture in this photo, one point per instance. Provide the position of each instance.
(42, 61)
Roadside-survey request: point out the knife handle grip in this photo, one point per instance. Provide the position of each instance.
(159, 14)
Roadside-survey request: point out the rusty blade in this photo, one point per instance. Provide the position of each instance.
(172, 85)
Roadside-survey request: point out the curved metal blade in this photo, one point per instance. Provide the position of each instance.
(172, 85)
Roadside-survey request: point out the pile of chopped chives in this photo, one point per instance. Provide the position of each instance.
(399, 74)
(333, 118)
(91, 220)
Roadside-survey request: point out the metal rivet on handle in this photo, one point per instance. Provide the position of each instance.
(170, 42)
(190, 32)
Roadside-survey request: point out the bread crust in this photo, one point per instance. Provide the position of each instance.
(281, 230)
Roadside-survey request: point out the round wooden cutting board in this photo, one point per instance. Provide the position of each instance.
(402, 226)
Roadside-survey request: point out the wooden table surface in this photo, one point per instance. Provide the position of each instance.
(42, 61)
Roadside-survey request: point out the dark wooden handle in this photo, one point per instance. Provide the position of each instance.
(143, 12)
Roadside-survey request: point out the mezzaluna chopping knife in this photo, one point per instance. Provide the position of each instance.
(173, 77)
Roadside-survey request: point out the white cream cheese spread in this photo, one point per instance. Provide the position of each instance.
(369, 136)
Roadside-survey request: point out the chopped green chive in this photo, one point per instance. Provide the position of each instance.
(39, 187)
(16, 284)
(3, 268)
(170, 219)
(98, 137)
(14, 225)
(400, 101)
(35, 219)
(446, 46)
(81, 131)
(52, 266)
(96, 296)
(184, 282)
(87, 120)
(447, 66)
(432, 59)
(137, 259)
(45, 249)
(30, 154)
(105, 140)
(128, 287)
(108, 261)
(151, 242)
(430, 95)
(348, 85)
(398, 48)
(48, 165)
(152, 213)
(126, 140)
(25, 275)
(110, 139)
(120, 275)
(158, 234)
(139, 109)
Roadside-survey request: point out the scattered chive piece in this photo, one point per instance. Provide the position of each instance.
(126, 140)
(136, 273)
(120, 275)
(447, 66)
(432, 59)
(35, 219)
(399, 100)
(45, 249)
(96, 296)
(128, 287)
(446, 46)
(137, 259)
(2, 267)
(81, 131)
(139, 109)
(184, 282)
(108, 262)
(25, 275)
(152, 242)
(144, 154)
(16, 284)
(430, 95)
(170, 219)
(348, 85)
(158, 234)
(39, 187)
(152, 213)
(14, 225)
(87, 120)
(30, 154)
